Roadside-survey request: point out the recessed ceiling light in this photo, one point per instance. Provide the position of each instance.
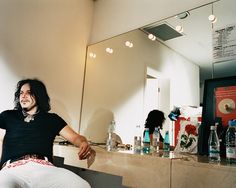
(92, 55)
(183, 15)
(179, 28)
(151, 37)
(129, 44)
(109, 50)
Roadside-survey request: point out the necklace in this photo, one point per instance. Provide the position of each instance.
(29, 117)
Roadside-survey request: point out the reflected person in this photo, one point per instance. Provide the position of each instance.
(155, 119)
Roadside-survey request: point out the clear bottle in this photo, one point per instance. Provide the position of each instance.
(137, 144)
(156, 139)
(213, 145)
(146, 141)
(109, 142)
(166, 144)
(112, 126)
(230, 140)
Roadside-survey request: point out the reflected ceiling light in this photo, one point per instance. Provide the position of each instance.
(109, 50)
(92, 55)
(151, 37)
(212, 18)
(181, 16)
(179, 28)
(129, 44)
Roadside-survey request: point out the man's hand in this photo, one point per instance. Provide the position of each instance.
(84, 150)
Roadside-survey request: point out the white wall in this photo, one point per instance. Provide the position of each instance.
(113, 17)
(114, 85)
(46, 39)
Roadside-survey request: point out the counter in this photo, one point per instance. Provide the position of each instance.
(198, 172)
(154, 170)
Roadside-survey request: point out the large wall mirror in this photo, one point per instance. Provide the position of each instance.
(129, 75)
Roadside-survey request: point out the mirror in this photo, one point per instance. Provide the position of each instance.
(124, 83)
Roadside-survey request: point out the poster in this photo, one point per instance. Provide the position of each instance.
(225, 98)
(224, 43)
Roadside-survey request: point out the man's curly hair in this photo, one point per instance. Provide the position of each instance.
(38, 90)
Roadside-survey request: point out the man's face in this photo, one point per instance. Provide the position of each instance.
(27, 100)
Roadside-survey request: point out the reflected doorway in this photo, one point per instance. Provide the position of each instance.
(151, 95)
(157, 96)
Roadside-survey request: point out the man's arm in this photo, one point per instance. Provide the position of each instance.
(77, 140)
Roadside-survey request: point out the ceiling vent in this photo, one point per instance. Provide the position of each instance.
(163, 31)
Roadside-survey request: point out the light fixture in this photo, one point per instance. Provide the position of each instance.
(183, 15)
(212, 18)
(179, 28)
(151, 37)
(129, 44)
(92, 55)
(109, 50)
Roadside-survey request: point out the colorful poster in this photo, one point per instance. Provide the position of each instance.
(225, 102)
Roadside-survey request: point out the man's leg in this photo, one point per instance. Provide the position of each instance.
(9, 180)
(44, 176)
(35, 175)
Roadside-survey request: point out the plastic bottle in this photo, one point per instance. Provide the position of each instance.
(230, 140)
(109, 143)
(166, 144)
(146, 141)
(156, 139)
(214, 146)
(137, 144)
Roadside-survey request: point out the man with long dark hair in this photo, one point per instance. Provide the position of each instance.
(154, 119)
(27, 154)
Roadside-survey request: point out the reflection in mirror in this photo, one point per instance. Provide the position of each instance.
(224, 69)
(129, 75)
(194, 41)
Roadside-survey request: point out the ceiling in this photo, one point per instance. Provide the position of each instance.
(195, 43)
